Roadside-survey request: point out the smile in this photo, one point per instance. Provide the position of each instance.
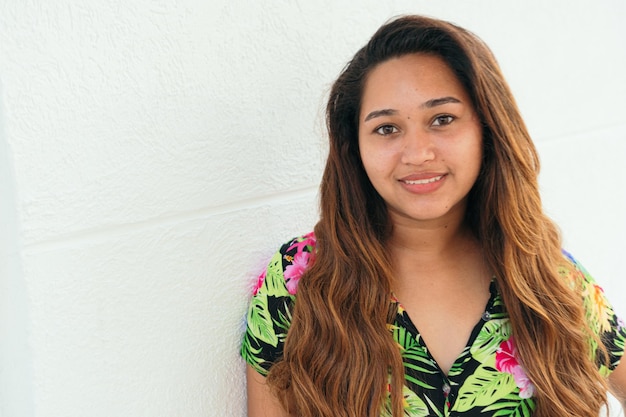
(424, 181)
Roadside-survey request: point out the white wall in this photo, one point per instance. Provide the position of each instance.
(153, 154)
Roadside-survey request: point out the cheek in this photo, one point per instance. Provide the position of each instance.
(369, 165)
(368, 157)
(477, 159)
(378, 155)
(377, 163)
(474, 148)
(478, 149)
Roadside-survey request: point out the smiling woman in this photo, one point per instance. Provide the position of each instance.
(433, 283)
(420, 139)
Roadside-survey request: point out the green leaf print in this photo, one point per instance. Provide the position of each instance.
(404, 338)
(283, 321)
(413, 356)
(434, 408)
(620, 345)
(413, 405)
(251, 355)
(416, 358)
(511, 406)
(491, 335)
(274, 284)
(616, 355)
(260, 321)
(412, 350)
(458, 367)
(484, 387)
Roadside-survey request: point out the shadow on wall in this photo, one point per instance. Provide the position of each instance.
(16, 397)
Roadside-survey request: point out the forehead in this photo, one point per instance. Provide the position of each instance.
(411, 79)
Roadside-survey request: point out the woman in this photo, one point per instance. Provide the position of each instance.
(431, 219)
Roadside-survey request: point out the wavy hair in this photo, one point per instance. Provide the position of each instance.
(344, 298)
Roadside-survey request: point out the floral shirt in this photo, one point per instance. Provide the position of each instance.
(485, 380)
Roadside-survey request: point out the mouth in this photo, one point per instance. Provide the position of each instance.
(423, 181)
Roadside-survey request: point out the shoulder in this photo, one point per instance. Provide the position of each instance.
(288, 264)
(575, 274)
(599, 312)
(581, 281)
(269, 313)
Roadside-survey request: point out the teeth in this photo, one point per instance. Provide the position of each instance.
(427, 181)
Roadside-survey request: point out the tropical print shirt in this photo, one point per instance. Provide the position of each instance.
(485, 380)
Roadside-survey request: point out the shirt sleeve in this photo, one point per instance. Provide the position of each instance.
(601, 317)
(268, 318)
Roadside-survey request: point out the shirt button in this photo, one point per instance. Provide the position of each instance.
(486, 316)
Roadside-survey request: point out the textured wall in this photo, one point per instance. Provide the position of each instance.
(153, 154)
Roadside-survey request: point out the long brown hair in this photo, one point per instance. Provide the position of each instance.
(339, 356)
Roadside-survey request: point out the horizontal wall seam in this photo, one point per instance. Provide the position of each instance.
(108, 231)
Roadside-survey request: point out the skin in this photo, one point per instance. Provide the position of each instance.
(261, 401)
(421, 146)
(617, 383)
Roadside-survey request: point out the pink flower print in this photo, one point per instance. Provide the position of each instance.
(526, 388)
(505, 356)
(259, 283)
(307, 240)
(506, 361)
(294, 271)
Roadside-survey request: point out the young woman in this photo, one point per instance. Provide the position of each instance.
(433, 284)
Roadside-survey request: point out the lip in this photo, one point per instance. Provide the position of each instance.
(423, 183)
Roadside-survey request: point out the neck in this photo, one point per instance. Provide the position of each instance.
(443, 251)
(429, 238)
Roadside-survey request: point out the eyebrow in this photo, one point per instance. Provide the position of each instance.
(426, 105)
(439, 101)
(379, 113)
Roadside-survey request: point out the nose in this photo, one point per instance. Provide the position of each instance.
(418, 148)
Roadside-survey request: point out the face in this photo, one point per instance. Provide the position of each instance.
(420, 139)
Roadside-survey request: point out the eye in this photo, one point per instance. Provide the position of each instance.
(386, 130)
(443, 120)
